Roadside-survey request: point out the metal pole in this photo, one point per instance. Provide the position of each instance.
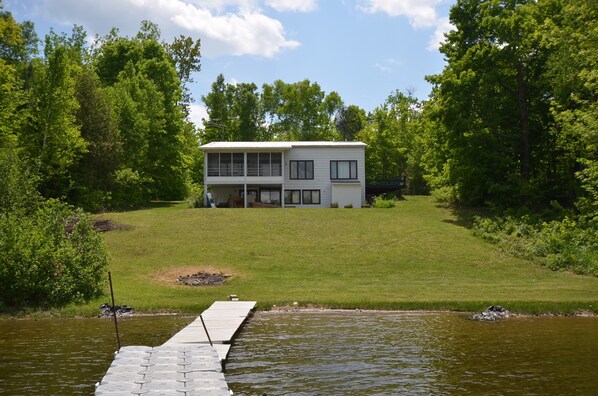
(206, 329)
(114, 310)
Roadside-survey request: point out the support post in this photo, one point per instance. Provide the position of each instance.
(206, 330)
(114, 310)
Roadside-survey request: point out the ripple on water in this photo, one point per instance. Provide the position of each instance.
(313, 353)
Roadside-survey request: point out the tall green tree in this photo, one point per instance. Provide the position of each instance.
(349, 121)
(151, 104)
(572, 34)
(494, 103)
(300, 111)
(51, 138)
(393, 138)
(94, 173)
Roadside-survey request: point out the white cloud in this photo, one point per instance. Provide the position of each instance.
(197, 113)
(292, 5)
(443, 26)
(243, 30)
(388, 66)
(421, 13)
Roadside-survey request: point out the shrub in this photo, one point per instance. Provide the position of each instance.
(334, 205)
(195, 196)
(50, 258)
(382, 202)
(558, 244)
(447, 195)
(131, 189)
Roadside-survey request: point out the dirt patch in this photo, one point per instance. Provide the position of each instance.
(202, 279)
(192, 276)
(104, 225)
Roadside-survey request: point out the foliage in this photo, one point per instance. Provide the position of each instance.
(558, 244)
(394, 136)
(281, 111)
(382, 202)
(349, 121)
(49, 258)
(195, 196)
(18, 185)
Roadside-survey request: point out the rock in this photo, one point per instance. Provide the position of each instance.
(108, 310)
(491, 314)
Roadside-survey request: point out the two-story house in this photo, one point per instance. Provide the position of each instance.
(285, 174)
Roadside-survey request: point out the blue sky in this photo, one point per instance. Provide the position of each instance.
(362, 49)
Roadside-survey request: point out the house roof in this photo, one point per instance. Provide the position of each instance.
(277, 146)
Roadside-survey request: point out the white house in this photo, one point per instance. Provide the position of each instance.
(286, 174)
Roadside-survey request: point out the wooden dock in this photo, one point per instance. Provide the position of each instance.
(186, 364)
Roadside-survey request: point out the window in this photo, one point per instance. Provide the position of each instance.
(343, 170)
(270, 196)
(302, 170)
(292, 197)
(311, 197)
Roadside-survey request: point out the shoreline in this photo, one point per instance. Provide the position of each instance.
(57, 314)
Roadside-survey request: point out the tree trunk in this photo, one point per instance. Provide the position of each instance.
(524, 121)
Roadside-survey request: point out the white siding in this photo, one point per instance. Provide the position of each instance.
(322, 157)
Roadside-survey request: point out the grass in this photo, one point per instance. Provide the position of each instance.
(413, 256)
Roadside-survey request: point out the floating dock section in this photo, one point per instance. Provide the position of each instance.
(186, 364)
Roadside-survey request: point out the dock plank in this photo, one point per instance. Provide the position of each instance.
(186, 364)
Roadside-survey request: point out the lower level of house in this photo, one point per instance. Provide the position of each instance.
(339, 194)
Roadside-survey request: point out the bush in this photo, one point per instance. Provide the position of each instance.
(382, 202)
(131, 189)
(195, 196)
(50, 258)
(447, 195)
(558, 244)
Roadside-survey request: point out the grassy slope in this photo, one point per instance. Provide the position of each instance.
(413, 256)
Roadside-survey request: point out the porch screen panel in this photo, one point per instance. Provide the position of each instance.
(238, 159)
(265, 164)
(276, 164)
(213, 164)
(226, 160)
(252, 164)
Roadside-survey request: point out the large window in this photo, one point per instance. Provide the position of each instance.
(302, 170)
(292, 197)
(270, 196)
(343, 170)
(311, 197)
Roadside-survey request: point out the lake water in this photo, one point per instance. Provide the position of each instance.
(327, 353)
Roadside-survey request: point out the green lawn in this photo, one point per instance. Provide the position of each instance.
(414, 256)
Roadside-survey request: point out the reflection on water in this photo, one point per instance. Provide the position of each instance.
(369, 353)
(331, 353)
(68, 356)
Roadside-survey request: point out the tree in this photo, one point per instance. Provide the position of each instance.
(494, 103)
(148, 91)
(300, 111)
(349, 121)
(393, 135)
(51, 138)
(185, 54)
(93, 175)
(573, 36)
